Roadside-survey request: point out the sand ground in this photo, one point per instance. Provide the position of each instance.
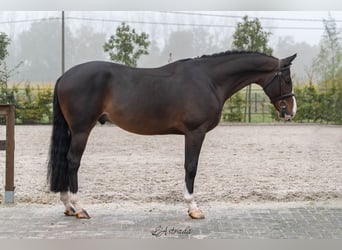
(238, 163)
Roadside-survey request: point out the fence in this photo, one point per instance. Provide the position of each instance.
(9, 112)
(239, 108)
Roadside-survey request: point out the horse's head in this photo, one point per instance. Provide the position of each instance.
(278, 88)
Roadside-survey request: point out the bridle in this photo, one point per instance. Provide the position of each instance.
(278, 75)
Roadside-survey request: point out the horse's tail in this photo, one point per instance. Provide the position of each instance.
(57, 173)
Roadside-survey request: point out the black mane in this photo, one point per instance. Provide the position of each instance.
(232, 52)
(225, 53)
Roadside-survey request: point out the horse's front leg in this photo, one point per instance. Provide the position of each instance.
(193, 144)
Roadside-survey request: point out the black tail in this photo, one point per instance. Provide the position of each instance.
(60, 143)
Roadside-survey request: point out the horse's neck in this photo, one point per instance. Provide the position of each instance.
(230, 74)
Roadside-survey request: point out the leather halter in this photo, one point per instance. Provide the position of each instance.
(278, 75)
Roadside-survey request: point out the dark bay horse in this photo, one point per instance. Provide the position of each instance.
(185, 97)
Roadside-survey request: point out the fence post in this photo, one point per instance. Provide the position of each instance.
(9, 112)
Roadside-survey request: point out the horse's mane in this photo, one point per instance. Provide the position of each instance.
(233, 52)
(225, 53)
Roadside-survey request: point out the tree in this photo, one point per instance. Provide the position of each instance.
(41, 48)
(329, 60)
(249, 35)
(189, 43)
(180, 45)
(84, 45)
(4, 42)
(127, 46)
(328, 66)
(4, 71)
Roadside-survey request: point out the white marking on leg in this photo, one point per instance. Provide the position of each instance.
(190, 200)
(294, 108)
(64, 196)
(74, 201)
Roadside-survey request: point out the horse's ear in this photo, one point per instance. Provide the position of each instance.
(288, 60)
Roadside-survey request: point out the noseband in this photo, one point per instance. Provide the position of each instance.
(278, 75)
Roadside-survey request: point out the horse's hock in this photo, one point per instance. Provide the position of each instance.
(8, 145)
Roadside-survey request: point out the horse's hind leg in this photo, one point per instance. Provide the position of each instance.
(78, 143)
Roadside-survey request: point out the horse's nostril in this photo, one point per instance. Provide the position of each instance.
(282, 111)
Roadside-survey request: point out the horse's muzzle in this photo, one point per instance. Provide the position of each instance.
(284, 114)
(282, 111)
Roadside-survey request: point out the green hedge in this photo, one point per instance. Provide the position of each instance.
(33, 102)
(315, 105)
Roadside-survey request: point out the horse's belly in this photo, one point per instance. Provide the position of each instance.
(147, 126)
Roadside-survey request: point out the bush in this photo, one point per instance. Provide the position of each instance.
(307, 103)
(33, 103)
(232, 108)
(316, 105)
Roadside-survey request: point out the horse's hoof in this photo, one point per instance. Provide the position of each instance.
(82, 215)
(70, 212)
(196, 214)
